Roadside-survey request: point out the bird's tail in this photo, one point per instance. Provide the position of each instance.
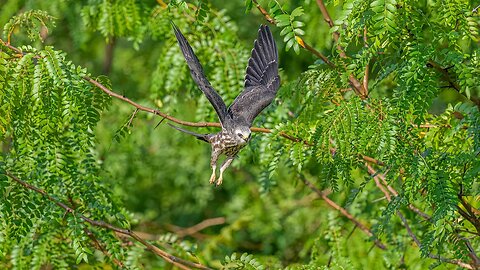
(202, 137)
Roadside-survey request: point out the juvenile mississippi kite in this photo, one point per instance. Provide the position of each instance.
(261, 85)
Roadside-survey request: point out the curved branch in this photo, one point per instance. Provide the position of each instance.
(379, 178)
(301, 42)
(179, 262)
(355, 84)
(343, 211)
(451, 82)
(358, 88)
(182, 122)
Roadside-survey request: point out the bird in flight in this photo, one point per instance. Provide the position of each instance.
(261, 85)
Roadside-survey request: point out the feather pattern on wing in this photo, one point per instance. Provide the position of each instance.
(198, 76)
(261, 79)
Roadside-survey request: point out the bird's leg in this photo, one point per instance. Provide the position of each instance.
(212, 177)
(225, 165)
(213, 164)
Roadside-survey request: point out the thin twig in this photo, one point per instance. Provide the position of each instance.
(358, 88)
(372, 171)
(367, 66)
(380, 177)
(181, 263)
(475, 9)
(264, 13)
(372, 160)
(317, 53)
(181, 232)
(451, 82)
(300, 41)
(131, 118)
(99, 246)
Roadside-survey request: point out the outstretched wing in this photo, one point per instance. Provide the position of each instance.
(261, 80)
(198, 76)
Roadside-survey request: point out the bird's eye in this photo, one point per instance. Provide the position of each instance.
(239, 135)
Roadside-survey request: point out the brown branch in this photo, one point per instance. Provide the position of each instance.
(409, 230)
(367, 67)
(380, 177)
(372, 171)
(472, 212)
(358, 88)
(109, 50)
(8, 45)
(181, 122)
(451, 82)
(131, 118)
(300, 41)
(181, 263)
(317, 53)
(471, 218)
(150, 110)
(265, 13)
(99, 246)
(470, 232)
(372, 160)
(181, 232)
(343, 211)
(327, 18)
(451, 261)
(430, 255)
(94, 239)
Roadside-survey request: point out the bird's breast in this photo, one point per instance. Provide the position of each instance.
(232, 150)
(225, 143)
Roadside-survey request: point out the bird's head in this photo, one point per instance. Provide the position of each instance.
(242, 134)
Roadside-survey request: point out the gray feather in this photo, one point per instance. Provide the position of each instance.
(261, 79)
(198, 76)
(202, 137)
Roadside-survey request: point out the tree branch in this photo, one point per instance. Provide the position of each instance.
(181, 232)
(181, 263)
(181, 122)
(380, 177)
(99, 246)
(367, 67)
(300, 41)
(358, 88)
(451, 82)
(343, 211)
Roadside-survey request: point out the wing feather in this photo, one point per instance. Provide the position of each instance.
(198, 76)
(261, 79)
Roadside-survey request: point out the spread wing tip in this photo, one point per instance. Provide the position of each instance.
(262, 66)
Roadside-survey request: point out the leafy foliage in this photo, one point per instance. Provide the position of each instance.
(30, 21)
(291, 27)
(402, 160)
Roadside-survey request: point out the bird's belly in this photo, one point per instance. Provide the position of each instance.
(230, 151)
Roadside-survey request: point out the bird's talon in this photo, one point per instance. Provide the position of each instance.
(212, 179)
(219, 182)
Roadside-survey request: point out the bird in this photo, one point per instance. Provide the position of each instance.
(260, 88)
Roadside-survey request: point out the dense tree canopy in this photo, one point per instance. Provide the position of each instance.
(369, 156)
